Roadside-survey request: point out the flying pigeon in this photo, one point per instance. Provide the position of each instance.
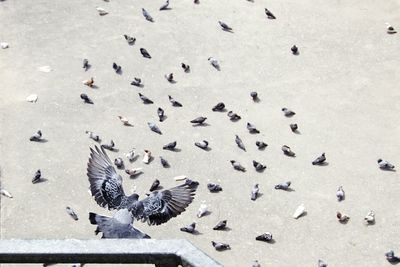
(252, 128)
(129, 39)
(287, 112)
(287, 151)
(106, 188)
(254, 192)
(221, 225)
(283, 186)
(154, 127)
(71, 213)
(165, 6)
(233, 116)
(199, 120)
(214, 187)
(385, 165)
(93, 136)
(236, 165)
(119, 226)
(320, 160)
(154, 186)
(37, 137)
(224, 26)
(85, 64)
(160, 114)
(340, 194)
(145, 99)
(185, 67)
(202, 144)
(170, 146)
(37, 177)
(86, 99)
(269, 14)
(137, 82)
(220, 246)
(219, 107)
(174, 102)
(239, 143)
(261, 145)
(258, 166)
(147, 15)
(145, 53)
(189, 229)
(214, 63)
(117, 68)
(164, 162)
(295, 50)
(266, 237)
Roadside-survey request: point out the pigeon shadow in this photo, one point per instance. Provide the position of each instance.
(297, 132)
(134, 158)
(122, 167)
(388, 170)
(163, 118)
(256, 100)
(119, 72)
(296, 54)
(261, 170)
(289, 116)
(207, 149)
(133, 177)
(254, 132)
(290, 190)
(175, 150)
(272, 241)
(322, 164)
(41, 180)
(290, 156)
(112, 149)
(226, 30)
(138, 85)
(172, 81)
(344, 222)
(206, 213)
(302, 215)
(394, 262)
(222, 110)
(204, 124)
(42, 140)
(258, 196)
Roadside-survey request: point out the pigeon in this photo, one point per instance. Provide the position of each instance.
(170, 77)
(37, 177)
(294, 127)
(165, 6)
(154, 127)
(287, 151)
(340, 194)
(295, 50)
(164, 162)
(102, 11)
(145, 99)
(287, 112)
(236, 165)
(390, 29)
(93, 136)
(196, 1)
(189, 229)
(191, 183)
(174, 102)
(71, 213)
(224, 26)
(199, 120)
(124, 121)
(89, 82)
(202, 210)
(370, 217)
(137, 82)
(385, 165)
(239, 143)
(261, 145)
(390, 257)
(106, 188)
(119, 163)
(129, 39)
(300, 211)
(214, 63)
(117, 68)
(109, 146)
(321, 263)
(160, 114)
(37, 137)
(170, 146)
(133, 172)
(221, 225)
(269, 14)
(119, 226)
(85, 64)
(320, 160)
(145, 53)
(5, 193)
(283, 186)
(252, 129)
(214, 187)
(86, 99)
(154, 186)
(185, 67)
(343, 218)
(130, 155)
(258, 166)
(202, 144)
(255, 263)
(254, 192)
(266, 237)
(233, 116)
(219, 107)
(146, 157)
(254, 96)
(147, 15)
(220, 246)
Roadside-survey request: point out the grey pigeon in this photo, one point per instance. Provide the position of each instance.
(219, 107)
(165, 6)
(252, 128)
(164, 162)
(117, 68)
(255, 263)
(220, 246)
(160, 114)
(191, 183)
(239, 143)
(37, 177)
(129, 39)
(174, 102)
(237, 166)
(137, 82)
(145, 99)
(320, 160)
(154, 127)
(189, 229)
(340, 193)
(199, 120)
(294, 127)
(321, 263)
(109, 146)
(254, 192)
(287, 151)
(86, 99)
(269, 14)
(283, 186)
(233, 116)
(170, 146)
(147, 15)
(214, 187)
(196, 1)
(170, 77)
(119, 226)
(214, 63)
(144, 53)
(224, 26)
(254, 96)
(202, 144)
(93, 136)
(158, 208)
(220, 225)
(71, 213)
(119, 163)
(385, 165)
(185, 67)
(287, 112)
(261, 145)
(154, 186)
(390, 257)
(86, 64)
(37, 137)
(266, 237)
(258, 166)
(295, 50)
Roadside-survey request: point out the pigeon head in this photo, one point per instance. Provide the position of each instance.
(379, 160)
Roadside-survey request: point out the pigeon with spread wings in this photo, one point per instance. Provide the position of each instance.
(157, 208)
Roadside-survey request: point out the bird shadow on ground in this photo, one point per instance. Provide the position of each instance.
(297, 132)
(272, 241)
(253, 132)
(206, 213)
(175, 150)
(257, 100)
(133, 159)
(205, 124)
(128, 125)
(173, 82)
(322, 164)
(42, 140)
(207, 149)
(42, 180)
(260, 171)
(116, 150)
(302, 215)
(163, 118)
(138, 85)
(94, 86)
(122, 167)
(133, 177)
(388, 170)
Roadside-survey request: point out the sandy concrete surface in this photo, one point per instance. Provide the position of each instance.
(343, 87)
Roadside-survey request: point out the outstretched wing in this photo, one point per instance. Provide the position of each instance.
(105, 183)
(159, 207)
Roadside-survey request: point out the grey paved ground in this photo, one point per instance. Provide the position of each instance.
(343, 87)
